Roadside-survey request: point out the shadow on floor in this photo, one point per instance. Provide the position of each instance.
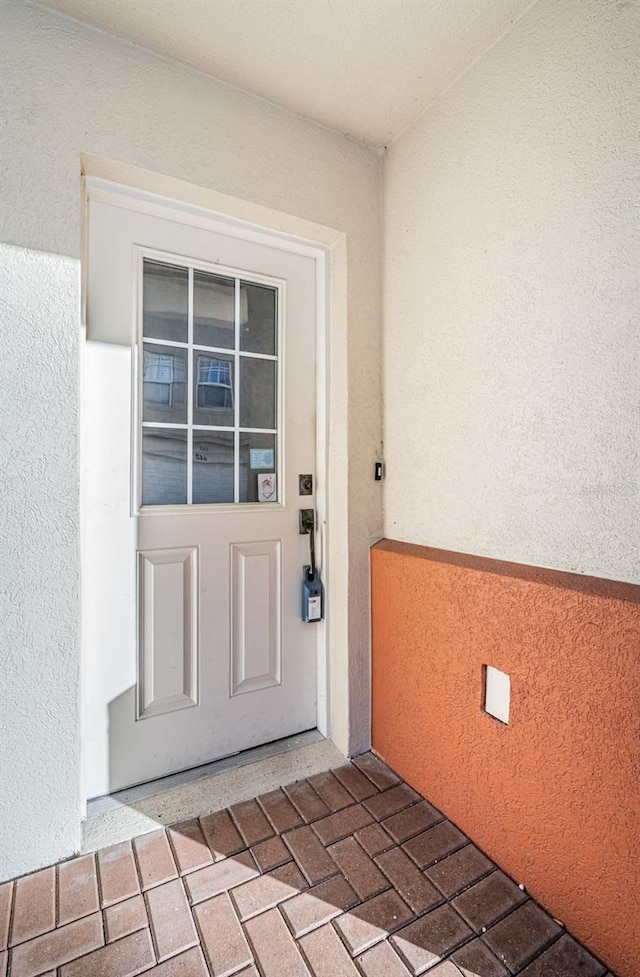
(345, 873)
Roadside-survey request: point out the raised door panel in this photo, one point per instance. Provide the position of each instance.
(168, 631)
(256, 641)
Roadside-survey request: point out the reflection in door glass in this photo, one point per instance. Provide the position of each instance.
(213, 310)
(257, 393)
(164, 384)
(165, 302)
(213, 390)
(258, 329)
(213, 468)
(164, 466)
(209, 388)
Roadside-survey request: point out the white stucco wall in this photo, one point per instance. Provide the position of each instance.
(39, 663)
(511, 304)
(69, 91)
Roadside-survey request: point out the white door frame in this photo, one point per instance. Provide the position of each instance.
(149, 193)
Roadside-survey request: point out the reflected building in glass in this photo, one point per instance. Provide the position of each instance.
(209, 386)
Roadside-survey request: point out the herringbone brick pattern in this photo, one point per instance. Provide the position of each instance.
(347, 874)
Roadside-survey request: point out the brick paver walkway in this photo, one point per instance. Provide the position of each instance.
(348, 874)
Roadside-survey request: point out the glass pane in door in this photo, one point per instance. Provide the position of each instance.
(164, 466)
(164, 384)
(165, 302)
(257, 393)
(213, 466)
(214, 313)
(258, 458)
(258, 328)
(213, 389)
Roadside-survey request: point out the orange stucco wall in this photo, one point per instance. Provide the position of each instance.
(554, 797)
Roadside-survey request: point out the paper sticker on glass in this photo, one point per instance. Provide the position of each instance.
(209, 385)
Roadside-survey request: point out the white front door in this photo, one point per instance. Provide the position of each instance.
(200, 418)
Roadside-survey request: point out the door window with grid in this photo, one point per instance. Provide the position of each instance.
(208, 387)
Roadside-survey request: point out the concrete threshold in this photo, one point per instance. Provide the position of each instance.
(192, 793)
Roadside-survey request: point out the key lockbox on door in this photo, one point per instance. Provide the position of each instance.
(312, 595)
(312, 589)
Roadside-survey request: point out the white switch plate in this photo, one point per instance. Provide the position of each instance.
(497, 693)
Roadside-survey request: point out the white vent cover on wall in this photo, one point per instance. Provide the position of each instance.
(497, 693)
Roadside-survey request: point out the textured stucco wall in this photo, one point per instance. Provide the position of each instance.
(69, 91)
(553, 797)
(39, 666)
(511, 345)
